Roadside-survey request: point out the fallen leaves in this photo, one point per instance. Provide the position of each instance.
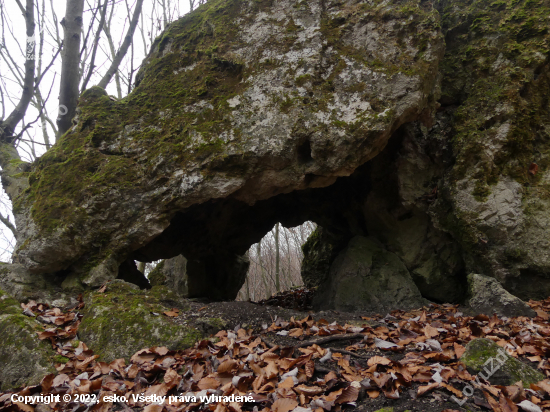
(392, 356)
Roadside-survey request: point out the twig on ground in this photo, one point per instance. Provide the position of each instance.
(347, 352)
(330, 338)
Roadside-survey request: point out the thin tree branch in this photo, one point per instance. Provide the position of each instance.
(6, 221)
(96, 42)
(124, 48)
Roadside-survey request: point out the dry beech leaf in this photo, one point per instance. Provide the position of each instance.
(430, 331)
(373, 394)
(544, 315)
(528, 406)
(271, 370)
(382, 344)
(47, 382)
(533, 169)
(60, 380)
(296, 333)
(379, 360)
(309, 390)
(309, 368)
(227, 365)
(153, 408)
(422, 390)
(172, 313)
(349, 394)
(287, 383)
(284, 405)
(208, 383)
(452, 389)
(459, 350)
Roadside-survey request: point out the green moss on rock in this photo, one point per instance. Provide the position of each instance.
(485, 358)
(124, 319)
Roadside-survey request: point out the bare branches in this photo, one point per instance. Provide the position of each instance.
(7, 127)
(262, 276)
(96, 43)
(6, 221)
(124, 48)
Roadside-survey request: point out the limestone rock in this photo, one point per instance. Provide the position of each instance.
(24, 358)
(320, 250)
(413, 122)
(485, 358)
(239, 104)
(404, 180)
(22, 285)
(488, 200)
(171, 273)
(486, 295)
(367, 277)
(125, 319)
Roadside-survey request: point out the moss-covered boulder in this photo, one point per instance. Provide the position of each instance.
(486, 295)
(24, 358)
(367, 277)
(236, 103)
(125, 319)
(485, 358)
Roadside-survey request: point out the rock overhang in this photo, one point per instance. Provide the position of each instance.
(304, 93)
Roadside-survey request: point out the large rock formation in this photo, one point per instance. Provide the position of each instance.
(237, 103)
(366, 277)
(424, 125)
(171, 273)
(469, 193)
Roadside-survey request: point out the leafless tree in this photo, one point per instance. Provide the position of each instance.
(265, 262)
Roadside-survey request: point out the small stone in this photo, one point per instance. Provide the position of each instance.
(486, 295)
(489, 361)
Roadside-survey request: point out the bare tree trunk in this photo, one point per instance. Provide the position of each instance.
(70, 73)
(141, 267)
(277, 259)
(107, 29)
(10, 161)
(124, 48)
(262, 272)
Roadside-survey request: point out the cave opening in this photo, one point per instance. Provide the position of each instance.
(386, 200)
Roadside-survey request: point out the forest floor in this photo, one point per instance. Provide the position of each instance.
(292, 359)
